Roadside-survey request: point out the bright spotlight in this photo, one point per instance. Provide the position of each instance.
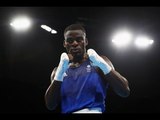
(21, 23)
(49, 29)
(53, 31)
(143, 42)
(122, 39)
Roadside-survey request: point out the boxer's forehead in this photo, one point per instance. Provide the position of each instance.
(74, 33)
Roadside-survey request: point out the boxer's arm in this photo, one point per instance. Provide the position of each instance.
(115, 80)
(52, 95)
(119, 83)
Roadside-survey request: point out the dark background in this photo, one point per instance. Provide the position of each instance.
(27, 59)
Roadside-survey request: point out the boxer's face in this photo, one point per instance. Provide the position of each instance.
(75, 42)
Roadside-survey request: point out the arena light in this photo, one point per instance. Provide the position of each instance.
(143, 42)
(49, 29)
(21, 23)
(53, 31)
(122, 38)
(45, 27)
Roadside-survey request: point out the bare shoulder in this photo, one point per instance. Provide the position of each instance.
(53, 73)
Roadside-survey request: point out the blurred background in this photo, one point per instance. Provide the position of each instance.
(128, 36)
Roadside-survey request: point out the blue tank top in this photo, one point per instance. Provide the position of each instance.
(82, 87)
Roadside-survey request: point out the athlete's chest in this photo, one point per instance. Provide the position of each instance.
(81, 70)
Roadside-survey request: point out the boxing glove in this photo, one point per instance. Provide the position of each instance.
(98, 61)
(62, 67)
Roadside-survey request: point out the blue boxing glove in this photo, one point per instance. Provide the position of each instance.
(62, 67)
(98, 61)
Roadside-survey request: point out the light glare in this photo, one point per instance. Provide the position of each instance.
(49, 29)
(122, 39)
(53, 31)
(21, 23)
(143, 42)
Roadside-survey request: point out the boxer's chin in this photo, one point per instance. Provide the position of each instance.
(77, 57)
